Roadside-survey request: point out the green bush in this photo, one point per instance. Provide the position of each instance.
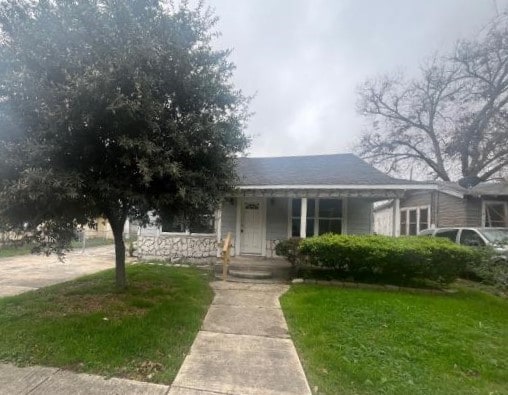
(289, 249)
(488, 270)
(400, 259)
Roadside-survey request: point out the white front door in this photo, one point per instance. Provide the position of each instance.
(252, 226)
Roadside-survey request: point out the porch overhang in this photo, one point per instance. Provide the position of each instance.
(375, 192)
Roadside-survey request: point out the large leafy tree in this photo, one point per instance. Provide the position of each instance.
(452, 120)
(112, 108)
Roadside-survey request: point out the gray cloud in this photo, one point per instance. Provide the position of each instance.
(305, 59)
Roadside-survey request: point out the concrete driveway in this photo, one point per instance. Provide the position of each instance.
(25, 273)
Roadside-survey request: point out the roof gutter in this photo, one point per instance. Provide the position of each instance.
(376, 187)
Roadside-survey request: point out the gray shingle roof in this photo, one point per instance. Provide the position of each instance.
(490, 188)
(338, 169)
(482, 189)
(450, 185)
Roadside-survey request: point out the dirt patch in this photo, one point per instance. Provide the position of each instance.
(111, 305)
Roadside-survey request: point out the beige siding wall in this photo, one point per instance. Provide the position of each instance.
(383, 221)
(359, 216)
(417, 199)
(451, 211)
(474, 212)
(446, 210)
(420, 199)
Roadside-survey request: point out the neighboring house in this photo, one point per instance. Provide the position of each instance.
(103, 229)
(450, 205)
(282, 197)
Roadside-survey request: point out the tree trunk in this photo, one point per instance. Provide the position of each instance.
(117, 228)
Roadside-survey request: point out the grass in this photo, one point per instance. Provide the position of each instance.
(354, 341)
(85, 325)
(14, 250)
(25, 249)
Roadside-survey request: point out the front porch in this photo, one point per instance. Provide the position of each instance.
(260, 218)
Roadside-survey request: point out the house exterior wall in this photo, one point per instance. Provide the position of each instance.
(359, 217)
(421, 199)
(383, 221)
(152, 243)
(175, 247)
(277, 220)
(445, 210)
(474, 212)
(455, 211)
(451, 211)
(228, 220)
(178, 247)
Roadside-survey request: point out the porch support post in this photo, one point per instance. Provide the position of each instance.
(303, 219)
(218, 228)
(396, 218)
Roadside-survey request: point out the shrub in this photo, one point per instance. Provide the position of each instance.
(289, 249)
(400, 259)
(488, 271)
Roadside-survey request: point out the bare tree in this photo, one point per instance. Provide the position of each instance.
(451, 120)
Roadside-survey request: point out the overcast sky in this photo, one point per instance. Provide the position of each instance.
(305, 59)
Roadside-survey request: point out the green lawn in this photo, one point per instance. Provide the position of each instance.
(354, 341)
(85, 325)
(8, 251)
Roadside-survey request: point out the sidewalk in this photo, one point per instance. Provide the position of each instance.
(38, 380)
(243, 348)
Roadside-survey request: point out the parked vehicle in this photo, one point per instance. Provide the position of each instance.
(497, 238)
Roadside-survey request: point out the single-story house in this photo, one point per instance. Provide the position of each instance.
(102, 229)
(282, 197)
(449, 205)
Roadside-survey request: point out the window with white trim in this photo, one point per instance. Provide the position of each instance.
(323, 216)
(495, 214)
(413, 220)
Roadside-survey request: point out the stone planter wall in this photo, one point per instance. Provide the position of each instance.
(176, 248)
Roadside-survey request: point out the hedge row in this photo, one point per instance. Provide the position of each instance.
(404, 258)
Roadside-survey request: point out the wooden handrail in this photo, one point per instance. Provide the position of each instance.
(226, 256)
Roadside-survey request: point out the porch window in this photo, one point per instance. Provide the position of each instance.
(330, 216)
(495, 214)
(413, 220)
(323, 216)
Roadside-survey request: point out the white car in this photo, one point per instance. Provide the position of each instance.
(496, 238)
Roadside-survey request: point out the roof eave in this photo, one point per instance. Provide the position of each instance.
(345, 186)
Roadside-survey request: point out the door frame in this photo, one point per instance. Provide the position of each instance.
(239, 215)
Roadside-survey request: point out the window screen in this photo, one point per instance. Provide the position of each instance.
(495, 215)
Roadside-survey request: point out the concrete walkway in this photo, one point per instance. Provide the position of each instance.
(38, 380)
(28, 272)
(244, 347)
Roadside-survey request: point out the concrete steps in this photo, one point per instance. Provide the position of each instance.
(251, 274)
